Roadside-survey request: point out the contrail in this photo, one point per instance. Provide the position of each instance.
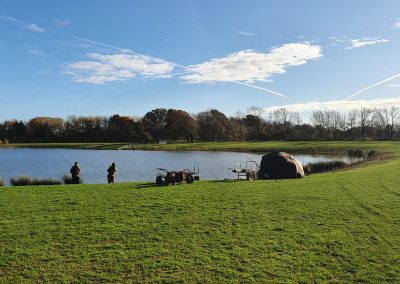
(372, 86)
(257, 87)
(5, 17)
(172, 63)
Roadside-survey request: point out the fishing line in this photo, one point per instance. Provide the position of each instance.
(62, 157)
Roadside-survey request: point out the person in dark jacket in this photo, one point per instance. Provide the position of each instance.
(112, 170)
(75, 173)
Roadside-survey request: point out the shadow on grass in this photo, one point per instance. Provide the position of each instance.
(146, 185)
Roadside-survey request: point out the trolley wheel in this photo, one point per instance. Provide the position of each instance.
(249, 176)
(189, 179)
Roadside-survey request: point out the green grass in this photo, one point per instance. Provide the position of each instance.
(88, 146)
(293, 146)
(341, 226)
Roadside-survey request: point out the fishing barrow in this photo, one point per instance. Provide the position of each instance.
(167, 177)
(249, 172)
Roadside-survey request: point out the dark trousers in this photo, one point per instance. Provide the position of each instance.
(75, 179)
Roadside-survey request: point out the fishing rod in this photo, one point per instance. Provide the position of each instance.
(62, 157)
(251, 160)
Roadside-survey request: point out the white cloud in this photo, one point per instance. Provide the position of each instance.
(250, 66)
(245, 33)
(396, 25)
(393, 85)
(25, 25)
(355, 43)
(35, 28)
(116, 67)
(339, 105)
(62, 23)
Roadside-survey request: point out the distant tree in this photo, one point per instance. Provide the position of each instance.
(330, 124)
(45, 129)
(364, 120)
(13, 130)
(154, 123)
(255, 123)
(238, 128)
(385, 120)
(121, 128)
(213, 125)
(180, 125)
(282, 121)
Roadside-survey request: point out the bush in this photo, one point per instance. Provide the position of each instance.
(1, 182)
(358, 153)
(26, 180)
(371, 153)
(321, 167)
(67, 179)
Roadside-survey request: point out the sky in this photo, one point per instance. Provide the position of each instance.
(86, 58)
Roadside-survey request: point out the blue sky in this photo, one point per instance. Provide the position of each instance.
(61, 58)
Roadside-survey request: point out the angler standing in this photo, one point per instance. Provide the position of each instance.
(111, 173)
(76, 173)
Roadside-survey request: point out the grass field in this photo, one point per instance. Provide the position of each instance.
(339, 227)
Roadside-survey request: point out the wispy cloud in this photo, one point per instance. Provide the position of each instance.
(338, 105)
(25, 25)
(35, 28)
(250, 66)
(338, 41)
(355, 43)
(36, 52)
(396, 25)
(393, 85)
(116, 67)
(351, 43)
(61, 23)
(245, 33)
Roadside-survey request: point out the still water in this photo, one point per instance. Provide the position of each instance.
(131, 165)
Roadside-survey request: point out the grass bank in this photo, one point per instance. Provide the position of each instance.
(340, 226)
(88, 146)
(292, 146)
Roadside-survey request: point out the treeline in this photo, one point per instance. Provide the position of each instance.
(212, 125)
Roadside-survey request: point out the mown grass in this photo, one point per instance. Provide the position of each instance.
(341, 226)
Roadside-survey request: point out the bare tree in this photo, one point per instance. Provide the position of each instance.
(364, 120)
(386, 119)
(255, 122)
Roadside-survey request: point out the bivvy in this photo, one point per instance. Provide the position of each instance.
(280, 165)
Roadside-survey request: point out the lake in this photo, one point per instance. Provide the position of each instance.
(132, 165)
